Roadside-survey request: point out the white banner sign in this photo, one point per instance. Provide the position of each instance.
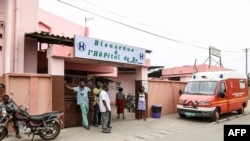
(108, 51)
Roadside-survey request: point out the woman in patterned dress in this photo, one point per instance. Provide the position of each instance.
(141, 105)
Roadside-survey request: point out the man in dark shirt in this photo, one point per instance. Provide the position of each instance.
(6, 103)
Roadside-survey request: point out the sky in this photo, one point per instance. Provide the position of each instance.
(178, 32)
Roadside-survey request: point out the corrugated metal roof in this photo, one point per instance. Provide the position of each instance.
(45, 37)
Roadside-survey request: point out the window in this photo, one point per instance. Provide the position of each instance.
(1, 47)
(201, 87)
(175, 78)
(242, 84)
(223, 87)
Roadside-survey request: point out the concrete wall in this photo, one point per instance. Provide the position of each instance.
(31, 90)
(35, 91)
(164, 93)
(57, 25)
(126, 81)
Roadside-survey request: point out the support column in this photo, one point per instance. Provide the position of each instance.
(56, 70)
(8, 47)
(55, 65)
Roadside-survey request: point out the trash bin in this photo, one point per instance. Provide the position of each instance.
(156, 111)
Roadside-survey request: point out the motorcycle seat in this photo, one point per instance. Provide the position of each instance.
(44, 116)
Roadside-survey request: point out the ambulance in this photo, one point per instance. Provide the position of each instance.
(211, 94)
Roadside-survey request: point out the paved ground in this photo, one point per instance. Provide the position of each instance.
(130, 129)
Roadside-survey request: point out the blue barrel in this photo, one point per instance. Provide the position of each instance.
(156, 111)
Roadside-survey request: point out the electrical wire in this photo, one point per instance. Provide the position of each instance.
(160, 36)
(135, 28)
(124, 17)
(140, 23)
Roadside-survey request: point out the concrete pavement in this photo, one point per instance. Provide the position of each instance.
(130, 129)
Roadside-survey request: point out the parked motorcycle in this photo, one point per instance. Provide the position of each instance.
(47, 125)
(130, 103)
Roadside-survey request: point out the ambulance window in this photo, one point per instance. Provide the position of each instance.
(242, 84)
(222, 87)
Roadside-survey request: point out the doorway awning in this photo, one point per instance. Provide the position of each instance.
(45, 37)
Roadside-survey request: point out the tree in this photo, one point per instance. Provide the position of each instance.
(248, 78)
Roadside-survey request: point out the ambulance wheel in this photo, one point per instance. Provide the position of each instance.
(216, 115)
(241, 110)
(182, 116)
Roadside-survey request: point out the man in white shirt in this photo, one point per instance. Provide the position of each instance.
(105, 108)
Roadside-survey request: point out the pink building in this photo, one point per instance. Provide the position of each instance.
(184, 73)
(39, 51)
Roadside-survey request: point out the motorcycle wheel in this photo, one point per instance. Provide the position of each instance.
(52, 133)
(129, 109)
(133, 108)
(3, 132)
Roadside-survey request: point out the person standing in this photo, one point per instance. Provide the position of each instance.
(96, 92)
(82, 93)
(105, 108)
(6, 103)
(141, 106)
(120, 100)
(109, 111)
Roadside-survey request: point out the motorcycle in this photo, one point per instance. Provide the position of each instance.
(130, 103)
(47, 125)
